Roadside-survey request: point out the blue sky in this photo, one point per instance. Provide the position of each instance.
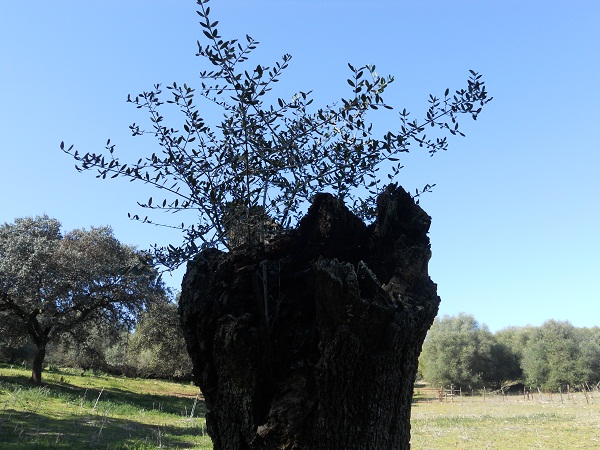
(515, 210)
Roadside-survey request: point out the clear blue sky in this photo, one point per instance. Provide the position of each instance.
(516, 217)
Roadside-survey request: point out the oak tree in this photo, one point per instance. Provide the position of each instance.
(53, 284)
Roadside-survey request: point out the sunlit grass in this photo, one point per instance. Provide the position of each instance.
(498, 422)
(98, 411)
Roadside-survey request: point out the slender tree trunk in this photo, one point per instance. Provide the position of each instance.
(38, 362)
(313, 341)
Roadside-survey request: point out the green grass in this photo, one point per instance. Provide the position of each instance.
(511, 422)
(105, 412)
(100, 411)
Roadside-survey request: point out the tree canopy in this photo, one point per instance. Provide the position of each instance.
(559, 354)
(252, 172)
(52, 284)
(460, 351)
(457, 350)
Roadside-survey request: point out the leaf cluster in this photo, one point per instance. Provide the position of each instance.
(52, 284)
(256, 168)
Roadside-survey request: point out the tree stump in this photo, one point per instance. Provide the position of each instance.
(311, 341)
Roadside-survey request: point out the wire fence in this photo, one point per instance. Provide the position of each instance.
(588, 393)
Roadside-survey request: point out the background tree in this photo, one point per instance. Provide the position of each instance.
(88, 346)
(555, 357)
(549, 356)
(506, 365)
(458, 351)
(52, 284)
(590, 352)
(516, 338)
(157, 347)
(513, 341)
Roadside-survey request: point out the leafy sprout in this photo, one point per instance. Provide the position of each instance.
(251, 174)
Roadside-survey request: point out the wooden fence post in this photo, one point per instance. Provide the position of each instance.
(560, 392)
(590, 391)
(587, 399)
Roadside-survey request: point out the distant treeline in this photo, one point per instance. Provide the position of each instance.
(459, 351)
(155, 349)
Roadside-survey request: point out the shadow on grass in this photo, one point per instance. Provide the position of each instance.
(27, 430)
(169, 404)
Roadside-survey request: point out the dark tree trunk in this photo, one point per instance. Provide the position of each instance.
(38, 363)
(312, 341)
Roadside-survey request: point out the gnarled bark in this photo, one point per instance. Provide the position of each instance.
(38, 363)
(312, 340)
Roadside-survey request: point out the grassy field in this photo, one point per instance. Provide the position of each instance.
(510, 422)
(78, 412)
(105, 412)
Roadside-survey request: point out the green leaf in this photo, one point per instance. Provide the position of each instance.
(277, 154)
